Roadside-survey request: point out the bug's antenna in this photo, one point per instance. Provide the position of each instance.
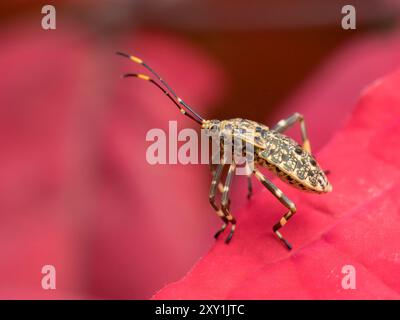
(147, 78)
(180, 101)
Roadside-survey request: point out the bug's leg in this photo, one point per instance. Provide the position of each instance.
(249, 188)
(211, 197)
(285, 124)
(225, 202)
(284, 200)
(249, 184)
(213, 165)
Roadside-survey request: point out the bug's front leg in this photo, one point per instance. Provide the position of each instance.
(225, 201)
(249, 184)
(284, 200)
(285, 124)
(213, 191)
(249, 187)
(212, 168)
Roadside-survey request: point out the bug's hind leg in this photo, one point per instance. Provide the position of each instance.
(213, 190)
(284, 200)
(225, 202)
(285, 124)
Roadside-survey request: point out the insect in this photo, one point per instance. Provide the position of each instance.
(291, 162)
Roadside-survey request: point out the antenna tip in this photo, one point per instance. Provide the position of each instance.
(133, 58)
(123, 54)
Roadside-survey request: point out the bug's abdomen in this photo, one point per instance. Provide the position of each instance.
(290, 162)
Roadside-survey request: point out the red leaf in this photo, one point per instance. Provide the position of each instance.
(357, 224)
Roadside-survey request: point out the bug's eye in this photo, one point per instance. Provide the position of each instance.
(214, 128)
(313, 162)
(299, 150)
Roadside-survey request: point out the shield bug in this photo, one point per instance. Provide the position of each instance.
(291, 162)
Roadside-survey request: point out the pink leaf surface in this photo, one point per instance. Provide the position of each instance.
(357, 224)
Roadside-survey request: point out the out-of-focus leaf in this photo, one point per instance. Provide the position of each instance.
(76, 191)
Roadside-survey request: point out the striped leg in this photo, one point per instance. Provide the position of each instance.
(213, 190)
(284, 200)
(283, 125)
(213, 165)
(249, 185)
(225, 203)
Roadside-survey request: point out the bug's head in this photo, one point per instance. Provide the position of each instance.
(212, 126)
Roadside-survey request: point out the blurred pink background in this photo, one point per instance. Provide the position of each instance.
(76, 191)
